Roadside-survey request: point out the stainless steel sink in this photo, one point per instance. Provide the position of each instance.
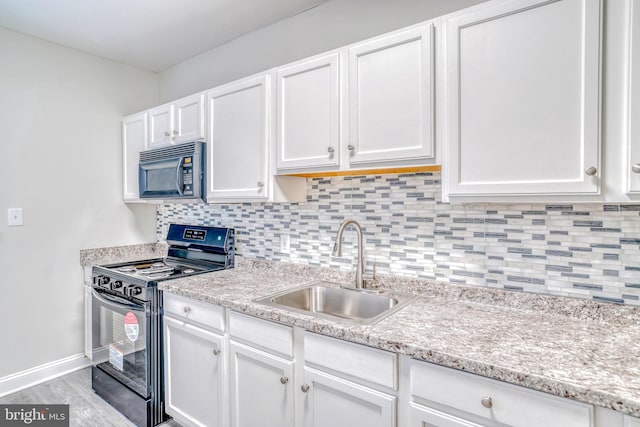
(331, 301)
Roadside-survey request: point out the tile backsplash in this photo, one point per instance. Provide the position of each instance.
(585, 250)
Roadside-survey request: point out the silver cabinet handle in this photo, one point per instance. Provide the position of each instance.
(635, 168)
(167, 134)
(591, 171)
(284, 380)
(187, 309)
(305, 388)
(331, 150)
(175, 131)
(351, 148)
(216, 351)
(260, 185)
(487, 402)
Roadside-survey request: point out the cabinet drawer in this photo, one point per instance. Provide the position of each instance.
(354, 360)
(510, 404)
(207, 315)
(270, 336)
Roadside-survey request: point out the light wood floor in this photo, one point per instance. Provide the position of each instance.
(86, 409)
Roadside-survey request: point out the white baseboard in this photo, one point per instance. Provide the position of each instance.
(21, 380)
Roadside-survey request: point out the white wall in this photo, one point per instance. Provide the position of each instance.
(328, 26)
(60, 155)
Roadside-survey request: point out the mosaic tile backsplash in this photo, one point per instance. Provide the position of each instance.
(584, 250)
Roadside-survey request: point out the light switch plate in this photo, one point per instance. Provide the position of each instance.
(14, 217)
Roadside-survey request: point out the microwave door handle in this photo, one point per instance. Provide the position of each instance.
(115, 302)
(179, 177)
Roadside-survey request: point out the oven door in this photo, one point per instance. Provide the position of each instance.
(121, 340)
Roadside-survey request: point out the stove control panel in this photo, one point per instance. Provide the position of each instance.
(120, 288)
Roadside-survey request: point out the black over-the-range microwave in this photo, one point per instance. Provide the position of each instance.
(175, 172)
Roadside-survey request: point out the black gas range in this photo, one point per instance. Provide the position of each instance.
(127, 318)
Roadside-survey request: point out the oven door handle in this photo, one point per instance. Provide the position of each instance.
(116, 302)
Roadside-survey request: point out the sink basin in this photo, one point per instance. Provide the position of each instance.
(331, 301)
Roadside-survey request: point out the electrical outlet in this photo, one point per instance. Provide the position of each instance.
(14, 216)
(285, 243)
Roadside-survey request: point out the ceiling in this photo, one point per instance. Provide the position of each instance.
(148, 34)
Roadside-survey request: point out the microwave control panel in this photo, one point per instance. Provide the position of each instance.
(187, 176)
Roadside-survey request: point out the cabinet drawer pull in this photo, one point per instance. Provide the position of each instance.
(635, 168)
(591, 171)
(305, 388)
(187, 309)
(284, 380)
(487, 402)
(351, 148)
(175, 131)
(167, 134)
(331, 150)
(260, 184)
(216, 351)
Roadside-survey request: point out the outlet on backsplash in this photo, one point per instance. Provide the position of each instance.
(285, 243)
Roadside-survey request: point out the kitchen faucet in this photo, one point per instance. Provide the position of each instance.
(337, 249)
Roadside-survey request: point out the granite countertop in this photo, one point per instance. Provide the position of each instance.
(126, 253)
(569, 347)
(580, 349)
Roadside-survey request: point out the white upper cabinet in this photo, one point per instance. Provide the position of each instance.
(633, 163)
(237, 156)
(160, 126)
(308, 113)
(370, 104)
(189, 119)
(523, 99)
(177, 122)
(134, 140)
(391, 98)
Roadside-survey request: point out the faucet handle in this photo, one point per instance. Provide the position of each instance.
(369, 282)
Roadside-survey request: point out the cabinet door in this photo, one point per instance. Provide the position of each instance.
(308, 114)
(189, 119)
(194, 374)
(333, 402)
(160, 126)
(633, 170)
(134, 140)
(391, 98)
(261, 388)
(523, 98)
(631, 421)
(422, 416)
(238, 140)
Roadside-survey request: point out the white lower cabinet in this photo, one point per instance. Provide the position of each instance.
(194, 374)
(194, 362)
(422, 416)
(261, 372)
(443, 397)
(261, 388)
(347, 384)
(269, 374)
(331, 401)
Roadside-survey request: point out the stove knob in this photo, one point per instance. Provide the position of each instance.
(134, 290)
(103, 280)
(116, 285)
